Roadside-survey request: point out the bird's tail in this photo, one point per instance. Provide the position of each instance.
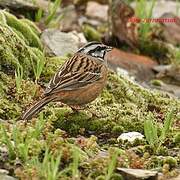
(36, 108)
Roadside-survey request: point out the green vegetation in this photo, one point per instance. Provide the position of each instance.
(22, 47)
(91, 33)
(50, 18)
(52, 11)
(58, 143)
(18, 77)
(49, 167)
(151, 130)
(38, 67)
(177, 57)
(144, 11)
(177, 8)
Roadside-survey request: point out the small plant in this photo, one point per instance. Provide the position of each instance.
(112, 165)
(151, 130)
(48, 18)
(144, 11)
(52, 11)
(75, 164)
(7, 141)
(49, 167)
(18, 76)
(177, 57)
(18, 145)
(38, 67)
(39, 15)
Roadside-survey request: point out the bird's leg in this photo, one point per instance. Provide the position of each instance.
(77, 108)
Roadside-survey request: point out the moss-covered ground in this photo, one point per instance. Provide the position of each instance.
(59, 143)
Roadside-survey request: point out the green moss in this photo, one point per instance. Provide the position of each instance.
(24, 28)
(177, 139)
(91, 33)
(4, 80)
(14, 51)
(154, 162)
(34, 28)
(122, 107)
(2, 18)
(52, 65)
(157, 50)
(156, 82)
(171, 161)
(9, 109)
(12, 102)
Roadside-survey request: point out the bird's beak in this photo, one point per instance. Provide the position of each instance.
(109, 48)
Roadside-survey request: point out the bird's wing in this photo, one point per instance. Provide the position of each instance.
(77, 72)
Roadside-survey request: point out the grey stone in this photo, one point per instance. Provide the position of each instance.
(61, 43)
(138, 174)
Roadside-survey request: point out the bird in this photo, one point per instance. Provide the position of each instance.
(78, 81)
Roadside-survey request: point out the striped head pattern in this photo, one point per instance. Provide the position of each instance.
(95, 49)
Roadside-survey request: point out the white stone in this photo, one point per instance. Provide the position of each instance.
(130, 136)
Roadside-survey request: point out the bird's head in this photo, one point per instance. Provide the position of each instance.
(95, 49)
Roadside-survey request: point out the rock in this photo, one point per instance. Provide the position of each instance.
(3, 171)
(136, 65)
(18, 4)
(4, 175)
(44, 5)
(170, 88)
(3, 150)
(61, 43)
(172, 71)
(130, 136)
(84, 20)
(176, 178)
(69, 21)
(171, 30)
(97, 11)
(124, 73)
(22, 6)
(80, 2)
(138, 174)
(67, 2)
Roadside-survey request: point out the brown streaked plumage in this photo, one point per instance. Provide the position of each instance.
(79, 80)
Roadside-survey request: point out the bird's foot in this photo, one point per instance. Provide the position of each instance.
(77, 108)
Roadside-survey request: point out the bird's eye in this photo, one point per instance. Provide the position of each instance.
(100, 48)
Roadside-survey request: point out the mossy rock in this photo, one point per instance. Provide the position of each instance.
(19, 45)
(27, 28)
